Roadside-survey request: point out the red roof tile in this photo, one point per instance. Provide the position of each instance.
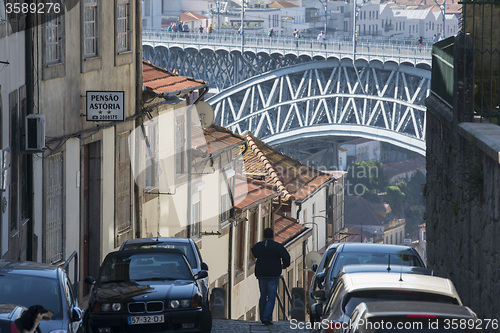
(214, 139)
(190, 16)
(159, 80)
(397, 168)
(292, 178)
(249, 191)
(286, 228)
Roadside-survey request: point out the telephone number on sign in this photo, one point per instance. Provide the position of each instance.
(33, 8)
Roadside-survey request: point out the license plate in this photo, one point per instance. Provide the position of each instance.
(135, 320)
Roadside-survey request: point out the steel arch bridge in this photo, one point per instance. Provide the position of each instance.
(380, 101)
(220, 62)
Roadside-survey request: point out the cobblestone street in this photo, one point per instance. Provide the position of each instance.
(240, 326)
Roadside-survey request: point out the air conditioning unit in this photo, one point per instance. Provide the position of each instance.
(34, 125)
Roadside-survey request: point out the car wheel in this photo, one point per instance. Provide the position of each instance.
(206, 319)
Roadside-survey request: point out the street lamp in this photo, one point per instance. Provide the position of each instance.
(325, 7)
(442, 8)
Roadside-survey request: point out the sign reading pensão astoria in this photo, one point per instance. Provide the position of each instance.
(105, 105)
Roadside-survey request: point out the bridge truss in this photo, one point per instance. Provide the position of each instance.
(381, 101)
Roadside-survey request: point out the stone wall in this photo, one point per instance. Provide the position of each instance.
(463, 205)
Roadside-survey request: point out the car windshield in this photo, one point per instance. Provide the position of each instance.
(354, 299)
(186, 248)
(364, 258)
(31, 290)
(144, 267)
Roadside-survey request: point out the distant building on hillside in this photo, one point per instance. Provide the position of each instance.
(404, 169)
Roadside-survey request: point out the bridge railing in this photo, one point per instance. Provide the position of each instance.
(256, 43)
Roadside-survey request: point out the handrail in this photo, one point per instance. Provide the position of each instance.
(64, 265)
(281, 303)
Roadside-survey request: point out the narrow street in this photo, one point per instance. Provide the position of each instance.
(244, 326)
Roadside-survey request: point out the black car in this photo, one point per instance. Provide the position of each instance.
(147, 290)
(319, 269)
(8, 314)
(186, 245)
(30, 283)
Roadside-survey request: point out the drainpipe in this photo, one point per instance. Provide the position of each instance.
(138, 105)
(30, 105)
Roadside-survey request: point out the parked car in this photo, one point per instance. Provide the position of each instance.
(8, 314)
(352, 289)
(147, 290)
(29, 283)
(318, 269)
(186, 245)
(409, 317)
(385, 269)
(367, 254)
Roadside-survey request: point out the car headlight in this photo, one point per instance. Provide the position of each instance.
(184, 303)
(106, 307)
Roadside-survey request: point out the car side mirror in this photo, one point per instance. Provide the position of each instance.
(201, 274)
(314, 267)
(89, 280)
(76, 314)
(318, 295)
(204, 266)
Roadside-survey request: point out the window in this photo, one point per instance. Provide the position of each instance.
(123, 25)
(54, 39)
(90, 29)
(224, 207)
(180, 146)
(54, 201)
(151, 174)
(165, 6)
(196, 218)
(123, 190)
(240, 247)
(253, 226)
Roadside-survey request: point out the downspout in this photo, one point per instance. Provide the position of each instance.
(30, 86)
(138, 105)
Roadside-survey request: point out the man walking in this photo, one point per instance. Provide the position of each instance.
(272, 257)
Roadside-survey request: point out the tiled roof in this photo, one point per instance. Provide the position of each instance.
(286, 228)
(282, 4)
(292, 179)
(397, 168)
(358, 210)
(249, 191)
(159, 80)
(214, 139)
(190, 16)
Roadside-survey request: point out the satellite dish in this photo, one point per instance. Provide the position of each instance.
(206, 114)
(312, 258)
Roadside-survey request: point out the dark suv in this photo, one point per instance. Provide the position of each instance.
(186, 245)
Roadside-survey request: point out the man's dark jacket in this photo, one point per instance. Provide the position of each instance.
(271, 256)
